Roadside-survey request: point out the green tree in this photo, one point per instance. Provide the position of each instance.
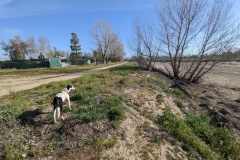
(75, 47)
(16, 49)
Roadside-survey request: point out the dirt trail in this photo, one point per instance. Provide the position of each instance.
(14, 84)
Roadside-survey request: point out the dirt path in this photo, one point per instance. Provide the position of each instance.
(13, 84)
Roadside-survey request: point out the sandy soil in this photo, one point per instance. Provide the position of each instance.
(226, 74)
(13, 84)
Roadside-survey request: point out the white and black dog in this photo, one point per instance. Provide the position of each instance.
(58, 101)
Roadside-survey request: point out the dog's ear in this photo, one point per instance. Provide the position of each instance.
(68, 87)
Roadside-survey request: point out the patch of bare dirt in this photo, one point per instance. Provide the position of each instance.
(137, 129)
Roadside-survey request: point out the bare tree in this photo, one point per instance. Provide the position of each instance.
(203, 28)
(44, 46)
(116, 50)
(97, 55)
(33, 48)
(145, 45)
(104, 38)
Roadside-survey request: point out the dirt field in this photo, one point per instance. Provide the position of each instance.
(226, 74)
(226, 77)
(11, 83)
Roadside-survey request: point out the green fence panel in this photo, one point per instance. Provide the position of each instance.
(24, 64)
(55, 62)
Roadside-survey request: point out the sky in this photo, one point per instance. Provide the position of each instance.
(57, 19)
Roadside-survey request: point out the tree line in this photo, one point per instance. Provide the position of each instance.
(108, 46)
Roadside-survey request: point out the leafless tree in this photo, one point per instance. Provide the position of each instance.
(44, 46)
(33, 48)
(144, 45)
(203, 28)
(117, 50)
(104, 38)
(97, 55)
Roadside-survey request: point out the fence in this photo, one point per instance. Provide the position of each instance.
(23, 64)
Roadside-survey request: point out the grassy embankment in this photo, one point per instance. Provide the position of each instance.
(99, 97)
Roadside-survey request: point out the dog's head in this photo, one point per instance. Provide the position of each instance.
(69, 88)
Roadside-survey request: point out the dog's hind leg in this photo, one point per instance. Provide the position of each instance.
(54, 115)
(58, 112)
(61, 108)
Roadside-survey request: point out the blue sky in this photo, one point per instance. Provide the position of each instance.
(57, 19)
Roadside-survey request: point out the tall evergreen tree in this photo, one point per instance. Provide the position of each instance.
(75, 47)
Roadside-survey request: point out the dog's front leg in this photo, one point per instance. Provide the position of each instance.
(69, 103)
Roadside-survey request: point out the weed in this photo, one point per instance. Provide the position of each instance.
(115, 114)
(57, 132)
(179, 103)
(101, 75)
(219, 139)
(199, 134)
(87, 112)
(155, 139)
(183, 132)
(124, 80)
(14, 149)
(177, 93)
(144, 127)
(110, 143)
(159, 98)
(194, 95)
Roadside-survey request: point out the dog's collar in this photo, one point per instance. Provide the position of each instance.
(65, 90)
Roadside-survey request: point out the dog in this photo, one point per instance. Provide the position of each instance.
(58, 102)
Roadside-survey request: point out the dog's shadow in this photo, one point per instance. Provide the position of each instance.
(29, 117)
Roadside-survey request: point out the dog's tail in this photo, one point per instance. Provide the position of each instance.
(57, 106)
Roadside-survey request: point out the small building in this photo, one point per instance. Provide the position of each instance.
(59, 62)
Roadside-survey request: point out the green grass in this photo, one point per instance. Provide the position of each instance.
(199, 135)
(179, 129)
(220, 139)
(179, 103)
(160, 99)
(49, 71)
(90, 110)
(14, 150)
(177, 93)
